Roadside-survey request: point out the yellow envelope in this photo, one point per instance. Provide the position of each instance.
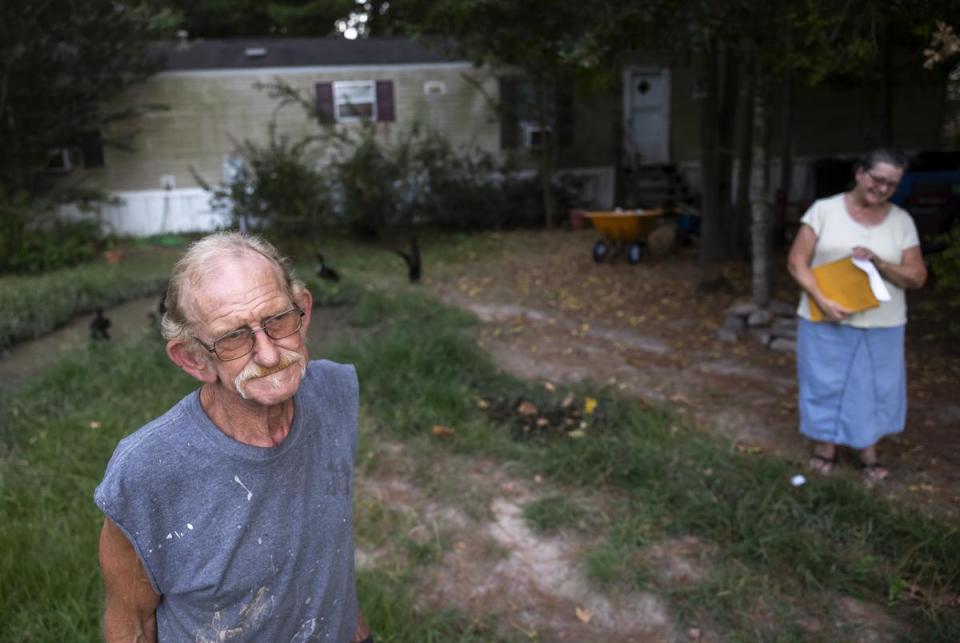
(845, 284)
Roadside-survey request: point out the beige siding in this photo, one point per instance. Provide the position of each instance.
(208, 110)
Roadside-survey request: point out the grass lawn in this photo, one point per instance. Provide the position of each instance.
(779, 553)
(33, 305)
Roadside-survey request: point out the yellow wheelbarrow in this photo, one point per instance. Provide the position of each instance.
(623, 231)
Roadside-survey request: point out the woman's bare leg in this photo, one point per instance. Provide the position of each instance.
(872, 470)
(824, 455)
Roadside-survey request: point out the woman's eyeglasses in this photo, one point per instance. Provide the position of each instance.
(883, 182)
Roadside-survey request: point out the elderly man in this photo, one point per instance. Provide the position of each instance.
(230, 516)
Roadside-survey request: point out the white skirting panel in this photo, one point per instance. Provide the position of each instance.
(148, 212)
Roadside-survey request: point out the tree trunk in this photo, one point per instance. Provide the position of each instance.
(546, 152)
(740, 230)
(729, 94)
(886, 84)
(711, 241)
(759, 204)
(786, 156)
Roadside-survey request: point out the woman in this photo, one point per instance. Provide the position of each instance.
(850, 366)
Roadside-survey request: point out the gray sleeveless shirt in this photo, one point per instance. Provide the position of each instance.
(245, 543)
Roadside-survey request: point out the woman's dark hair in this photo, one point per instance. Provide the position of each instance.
(883, 155)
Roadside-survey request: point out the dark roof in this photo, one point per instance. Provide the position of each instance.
(299, 52)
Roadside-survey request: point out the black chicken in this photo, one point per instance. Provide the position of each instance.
(99, 326)
(414, 268)
(324, 271)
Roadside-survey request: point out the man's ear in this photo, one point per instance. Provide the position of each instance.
(191, 361)
(305, 300)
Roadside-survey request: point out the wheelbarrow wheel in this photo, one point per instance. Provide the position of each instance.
(600, 250)
(634, 252)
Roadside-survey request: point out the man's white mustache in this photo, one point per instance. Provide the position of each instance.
(254, 371)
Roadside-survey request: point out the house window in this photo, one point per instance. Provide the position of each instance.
(86, 151)
(355, 100)
(520, 125)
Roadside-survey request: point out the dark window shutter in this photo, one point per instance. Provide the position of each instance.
(325, 103)
(564, 116)
(91, 148)
(509, 123)
(385, 108)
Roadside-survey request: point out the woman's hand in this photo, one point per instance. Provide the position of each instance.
(832, 310)
(911, 272)
(860, 252)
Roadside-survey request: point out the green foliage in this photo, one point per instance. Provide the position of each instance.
(34, 239)
(274, 186)
(61, 61)
(421, 179)
(553, 513)
(246, 18)
(946, 267)
(392, 613)
(33, 305)
(370, 179)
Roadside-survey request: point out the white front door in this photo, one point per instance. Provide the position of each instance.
(646, 114)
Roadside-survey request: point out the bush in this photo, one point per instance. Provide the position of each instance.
(275, 185)
(374, 185)
(421, 179)
(946, 267)
(34, 239)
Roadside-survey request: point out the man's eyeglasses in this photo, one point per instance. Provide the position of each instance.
(883, 182)
(240, 342)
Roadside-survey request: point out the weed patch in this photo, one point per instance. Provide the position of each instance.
(782, 547)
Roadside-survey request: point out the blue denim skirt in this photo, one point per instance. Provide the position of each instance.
(852, 381)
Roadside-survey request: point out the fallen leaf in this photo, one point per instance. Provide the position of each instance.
(481, 403)
(589, 405)
(584, 615)
(527, 408)
(577, 434)
(567, 400)
(442, 430)
(550, 387)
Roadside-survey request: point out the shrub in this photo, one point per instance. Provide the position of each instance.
(946, 266)
(421, 179)
(275, 185)
(33, 238)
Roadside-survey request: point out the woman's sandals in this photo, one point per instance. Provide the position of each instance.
(821, 464)
(872, 472)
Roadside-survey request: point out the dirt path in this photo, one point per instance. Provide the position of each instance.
(552, 314)
(26, 359)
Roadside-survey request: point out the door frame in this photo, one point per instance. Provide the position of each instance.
(664, 72)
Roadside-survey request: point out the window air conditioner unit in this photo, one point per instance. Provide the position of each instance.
(63, 160)
(534, 137)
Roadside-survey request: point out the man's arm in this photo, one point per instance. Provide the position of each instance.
(131, 610)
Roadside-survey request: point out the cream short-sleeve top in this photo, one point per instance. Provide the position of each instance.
(838, 233)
